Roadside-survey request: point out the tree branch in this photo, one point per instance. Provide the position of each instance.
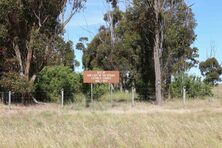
(40, 22)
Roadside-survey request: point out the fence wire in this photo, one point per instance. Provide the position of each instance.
(115, 99)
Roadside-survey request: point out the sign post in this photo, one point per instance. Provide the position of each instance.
(106, 77)
(109, 77)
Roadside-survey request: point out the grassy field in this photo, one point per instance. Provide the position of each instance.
(197, 124)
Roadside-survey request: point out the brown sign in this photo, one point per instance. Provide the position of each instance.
(101, 77)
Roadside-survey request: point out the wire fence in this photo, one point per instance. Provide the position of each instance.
(112, 99)
(64, 97)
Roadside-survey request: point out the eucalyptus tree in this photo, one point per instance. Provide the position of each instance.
(31, 31)
(138, 35)
(211, 70)
(168, 28)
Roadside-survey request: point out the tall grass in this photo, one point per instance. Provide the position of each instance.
(55, 129)
(117, 96)
(197, 124)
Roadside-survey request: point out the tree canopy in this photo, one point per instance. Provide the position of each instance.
(31, 35)
(132, 53)
(149, 42)
(211, 70)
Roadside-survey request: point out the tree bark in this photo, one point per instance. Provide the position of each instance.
(29, 55)
(28, 64)
(157, 52)
(19, 58)
(111, 27)
(157, 70)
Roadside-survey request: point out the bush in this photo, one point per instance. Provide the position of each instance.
(52, 80)
(79, 98)
(98, 90)
(194, 87)
(20, 87)
(117, 96)
(16, 83)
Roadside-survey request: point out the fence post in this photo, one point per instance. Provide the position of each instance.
(9, 99)
(184, 95)
(62, 94)
(2, 99)
(92, 102)
(133, 97)
(111, 94)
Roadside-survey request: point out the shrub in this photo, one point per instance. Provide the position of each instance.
(53, 79)
(16, 83)
(117, 96)
(98, 90)
(20, 87)
(79, 98)
(194, 86)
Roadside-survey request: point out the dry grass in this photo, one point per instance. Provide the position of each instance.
(166, 126)
(217, 91)
(197, 124)
(53, 129)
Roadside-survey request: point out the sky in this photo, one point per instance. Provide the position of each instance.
(208, 15)
(85, 24)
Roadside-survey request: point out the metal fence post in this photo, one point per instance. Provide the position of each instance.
(133, 97)
(9, 99)
(184, 95)
(62, 94)
(111, 94)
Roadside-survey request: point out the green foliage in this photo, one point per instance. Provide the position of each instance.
(194, 87)
(132, 52)
(79, 98)
(98, 90)
(53, 79)
(15, 83)
(31, 35)
(117, 96)
(211, 70)
(3, 31)
(66, 54)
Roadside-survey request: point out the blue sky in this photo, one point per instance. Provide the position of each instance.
(208, 15)
(86, 24)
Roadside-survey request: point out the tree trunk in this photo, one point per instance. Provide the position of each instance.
(23, 99)
(28, 63)
(157, 71)
(157, 52)
(112, 35)
(19, 58)
(111, 27)
(29, 56)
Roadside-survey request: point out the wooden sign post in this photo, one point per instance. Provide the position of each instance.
(107, 77)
